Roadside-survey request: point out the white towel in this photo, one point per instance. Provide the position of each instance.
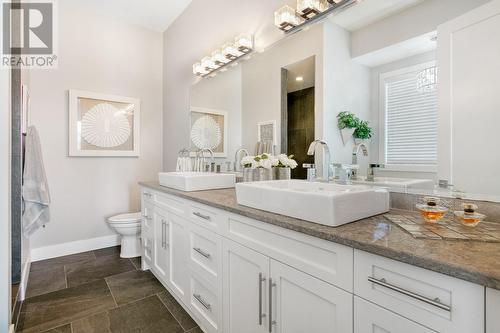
(35, 187)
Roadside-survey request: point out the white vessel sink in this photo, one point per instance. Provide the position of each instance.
(196, 181)
(398, 184)
(329, 204)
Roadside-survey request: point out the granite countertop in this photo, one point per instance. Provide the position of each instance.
(472, 261)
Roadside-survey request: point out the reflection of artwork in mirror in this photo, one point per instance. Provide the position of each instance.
(208, 130)
(103, 125)
(267, 131)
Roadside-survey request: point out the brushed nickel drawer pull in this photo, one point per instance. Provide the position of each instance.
(434, 302)
(201, 252)
(262, 280)
(202, 302)
(147, 194)
(200, 215)
(271, 321)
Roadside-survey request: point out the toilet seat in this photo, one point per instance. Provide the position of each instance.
(129, 218)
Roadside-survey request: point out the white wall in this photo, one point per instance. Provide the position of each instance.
(261, 78)
(346, 88)
(105, 56)
(413, 22)
(222, 93)
(376, 72)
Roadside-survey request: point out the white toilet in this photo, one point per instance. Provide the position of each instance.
(128, 226)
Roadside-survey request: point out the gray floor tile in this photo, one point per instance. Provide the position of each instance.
(96, 269)
(147, 315)
(108, 251)
(61, 307)
(46, 281)
(61, 261)
(137, 262)
(132, 286)
(60, 329)
(177, 311)
(195, 330)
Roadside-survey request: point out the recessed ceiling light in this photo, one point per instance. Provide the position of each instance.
(299, 78)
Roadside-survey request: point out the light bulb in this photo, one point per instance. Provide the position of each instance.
(244, 43)
(286, 18)
(230, 51)
(310, 8)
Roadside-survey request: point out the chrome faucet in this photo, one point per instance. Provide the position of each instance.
(237, 159)
(324, 169)
(355, 152)
(370, 175)
(200, 159)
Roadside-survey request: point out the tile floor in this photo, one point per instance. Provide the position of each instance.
(97, 291)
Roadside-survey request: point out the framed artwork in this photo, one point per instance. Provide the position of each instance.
(209, 130)
(266, 131)
(103, 125)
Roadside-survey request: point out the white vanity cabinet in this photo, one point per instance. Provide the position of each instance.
(234, 274)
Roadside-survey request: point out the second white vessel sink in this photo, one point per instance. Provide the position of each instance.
(324, 203)
(398, 184)
(196, 181)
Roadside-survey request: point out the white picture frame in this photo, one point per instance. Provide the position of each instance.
(221, 149)
(261, 131)
(79, 147)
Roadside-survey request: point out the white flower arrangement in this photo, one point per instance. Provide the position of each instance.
(265, 161)
(286, 161)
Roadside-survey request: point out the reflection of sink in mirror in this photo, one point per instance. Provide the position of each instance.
(196, 181)
(398, 184)
(324, 203)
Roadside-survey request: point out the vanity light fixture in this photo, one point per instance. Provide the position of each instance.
(310, 8)
(299, 79)
(286, 18)
(228, 54)
(290, 20)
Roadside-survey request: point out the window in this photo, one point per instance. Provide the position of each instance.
(409, 120)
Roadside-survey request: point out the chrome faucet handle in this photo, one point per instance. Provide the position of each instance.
(370, 175)
(311, 171)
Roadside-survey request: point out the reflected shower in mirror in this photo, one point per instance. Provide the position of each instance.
(297, 114)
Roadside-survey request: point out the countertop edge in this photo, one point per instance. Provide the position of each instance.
(404, 257)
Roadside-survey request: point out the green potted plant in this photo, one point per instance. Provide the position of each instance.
(347, 122)
(362, 132)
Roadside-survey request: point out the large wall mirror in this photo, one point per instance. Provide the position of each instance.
(428, 95)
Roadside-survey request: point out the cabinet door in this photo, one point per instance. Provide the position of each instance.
(147, 235)
(177, 240)
(301, 303)
(245, 273)
(370, 318)
(160, 244)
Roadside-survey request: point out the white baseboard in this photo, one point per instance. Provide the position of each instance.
(58, 250)
(24, 280)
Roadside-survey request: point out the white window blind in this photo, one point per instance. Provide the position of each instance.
(411, 118)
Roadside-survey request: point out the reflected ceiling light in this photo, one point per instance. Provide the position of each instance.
(244, 43)
(427, 79)
(299, 79)
(239, 49)
(310, 8)
(290, 20)
(286, 18)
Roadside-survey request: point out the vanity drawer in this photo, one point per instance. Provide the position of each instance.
(205, 304)
(327, 261)
(370, 318)
(205, 248)
(207, 217)
(147, 217)
(170, 203)
(437, 301)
